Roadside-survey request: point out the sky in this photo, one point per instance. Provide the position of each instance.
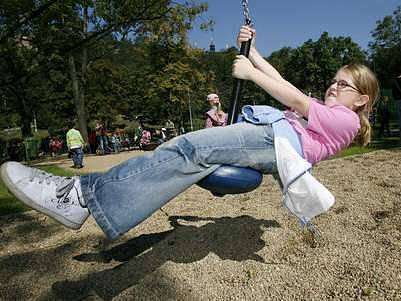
(281, 23)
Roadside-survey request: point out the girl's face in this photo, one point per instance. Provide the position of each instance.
(342, 90)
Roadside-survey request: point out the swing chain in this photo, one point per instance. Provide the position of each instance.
(247, 15)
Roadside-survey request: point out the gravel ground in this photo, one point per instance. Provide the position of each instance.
(241, 247)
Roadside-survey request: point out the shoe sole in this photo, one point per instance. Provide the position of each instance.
(27, 201)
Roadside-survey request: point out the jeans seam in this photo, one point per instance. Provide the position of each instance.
(138, 172)
(105, 220)
(250, 148)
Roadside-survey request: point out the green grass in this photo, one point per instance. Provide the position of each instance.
(384, 143)
(9, 204)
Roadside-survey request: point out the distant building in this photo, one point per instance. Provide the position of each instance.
(212, 47)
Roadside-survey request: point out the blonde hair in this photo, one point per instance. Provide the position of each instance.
(365, 80)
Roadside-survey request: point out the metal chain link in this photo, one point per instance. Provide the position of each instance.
(247, 15)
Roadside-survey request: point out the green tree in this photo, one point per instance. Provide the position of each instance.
(72, 42)
(31, 43)
(169, 70)
(311, 66)
(385, 49)
(219, 65)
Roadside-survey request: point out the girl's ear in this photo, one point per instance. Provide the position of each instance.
(362, 100)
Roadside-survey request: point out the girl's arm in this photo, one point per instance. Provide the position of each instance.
(257, 60)
(279, 89)
(260, 63)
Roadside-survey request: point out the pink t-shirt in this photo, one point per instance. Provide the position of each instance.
(329, 129)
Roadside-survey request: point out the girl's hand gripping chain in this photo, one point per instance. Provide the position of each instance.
(242, 68)
(246, 33)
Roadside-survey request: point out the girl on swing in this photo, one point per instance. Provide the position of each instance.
(122, 198)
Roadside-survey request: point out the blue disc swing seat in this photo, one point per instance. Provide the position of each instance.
(229, 179)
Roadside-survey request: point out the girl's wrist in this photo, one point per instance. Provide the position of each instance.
(252, 51)
(253, 74)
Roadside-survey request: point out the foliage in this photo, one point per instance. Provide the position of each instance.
(40, 38)
(218, 64)
(385, 49)
(311, 66)
(132, 59)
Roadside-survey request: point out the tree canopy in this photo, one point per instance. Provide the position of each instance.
(385, 49)
(102, 60)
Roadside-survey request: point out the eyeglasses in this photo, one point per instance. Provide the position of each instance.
(342, 84)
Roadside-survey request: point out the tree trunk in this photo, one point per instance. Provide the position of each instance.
(81, 113)
(26, 110)
(78, 101)
(26, 117)
(79, 89)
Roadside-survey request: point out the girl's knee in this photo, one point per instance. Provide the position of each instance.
(182, 145)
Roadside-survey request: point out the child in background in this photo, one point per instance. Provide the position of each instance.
(215, 116)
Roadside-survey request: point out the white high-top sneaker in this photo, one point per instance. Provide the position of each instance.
(57, 197)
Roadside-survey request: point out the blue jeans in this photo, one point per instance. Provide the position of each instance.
(102, 144)
(77, 156)
(130, 192)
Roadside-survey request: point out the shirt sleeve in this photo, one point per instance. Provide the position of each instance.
(334, 124)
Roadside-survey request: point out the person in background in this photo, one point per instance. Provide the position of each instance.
(169, 124)
(55, 145)
(145, 138)
(384, 115)
(75, 145)
(215, 116)
(163, 134)
(101, 137)
(396, 90)
(373, 116)
(116, 144)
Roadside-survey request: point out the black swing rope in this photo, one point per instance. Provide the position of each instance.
(239, 83)
(231, 179)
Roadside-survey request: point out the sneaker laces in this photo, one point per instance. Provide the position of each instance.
(42, 176)
(63, 184)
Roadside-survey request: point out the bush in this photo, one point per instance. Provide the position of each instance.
(3, 150)
(15, 149)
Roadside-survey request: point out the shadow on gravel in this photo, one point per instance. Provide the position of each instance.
(40, 262)
(27, 227)
(191, 239)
